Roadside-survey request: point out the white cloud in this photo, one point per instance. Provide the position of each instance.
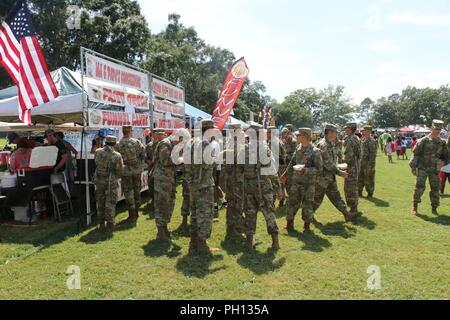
(383, 46)
(420, 20)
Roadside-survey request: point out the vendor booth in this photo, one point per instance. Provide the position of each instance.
(105, 96)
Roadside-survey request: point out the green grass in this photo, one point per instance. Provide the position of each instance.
(331, 263)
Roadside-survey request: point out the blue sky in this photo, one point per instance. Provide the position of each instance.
(372, 47)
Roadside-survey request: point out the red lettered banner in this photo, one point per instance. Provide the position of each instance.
(230, 93)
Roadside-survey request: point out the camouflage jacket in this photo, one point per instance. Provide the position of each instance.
(429, 153)
(369, 152)
(233, 173)
(133, 154)
(310, 157)
(260, 177)
(352, 153)
(280, 150)
(329, 152)
(109, 164)
(164, 169)
(199, 175)
(290, 146)
(150, 153)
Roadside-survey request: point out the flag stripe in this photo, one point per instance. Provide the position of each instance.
(35, 73)
(6, 63)
(30, 83)
(11, 41)
(43, 65)
(9, 54)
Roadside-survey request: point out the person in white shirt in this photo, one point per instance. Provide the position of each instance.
(219, 197)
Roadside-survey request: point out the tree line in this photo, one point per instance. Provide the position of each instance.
(119, 29)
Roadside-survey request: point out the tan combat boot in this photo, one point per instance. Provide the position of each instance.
(162, 234)
(193, 245)
(110, 226)
(290, 225)
(102, 225)
(435, 211)
(415, 209)
(307, 226)
(275, 242)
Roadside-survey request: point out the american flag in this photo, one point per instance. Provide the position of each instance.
(22, 57)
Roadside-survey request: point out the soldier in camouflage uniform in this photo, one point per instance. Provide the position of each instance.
(186, 205)
(290, 145)
(260, 184)
(234, 185)
(352, 157)
(164, 186)
(326, 182)
(133, 154)
(304, 180)
(279, 151)
(368, 162)
(200, 179)
(109, 168)
(157, 136)
(426, 164)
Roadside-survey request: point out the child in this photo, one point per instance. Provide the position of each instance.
(389, 149)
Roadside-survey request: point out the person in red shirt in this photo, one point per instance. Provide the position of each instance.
(20, 158)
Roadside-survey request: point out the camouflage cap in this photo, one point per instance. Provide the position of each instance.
(127, 128)
(49, 132)
(331, 127)
(438, 124)
(111, 139)
(285, 132)
(235, 126)
(208, 124)
(160, 132)
(304, 132)
(289, 127)
(351, 125)
(368, 127)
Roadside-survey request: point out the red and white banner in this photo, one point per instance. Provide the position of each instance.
(102, 94)
(167, 122)
(167, 91)
(108, 119)
(104, 70)
(230, 93)
(165, 106)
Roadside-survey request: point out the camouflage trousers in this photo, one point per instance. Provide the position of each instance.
(235, 204)
(254, 202)
(328, 186)
(433, 177)
(301, 196)
(366, 179)
(131, 188)
(351, 189)
(106, 197)
(165, 194)
(202, 212)
(185, 207)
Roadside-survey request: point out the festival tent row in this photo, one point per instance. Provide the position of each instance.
(195, 114)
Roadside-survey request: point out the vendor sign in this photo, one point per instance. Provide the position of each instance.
(104, 118)
(166, 106)
(105, 95)
(167, 91)
(104, 70)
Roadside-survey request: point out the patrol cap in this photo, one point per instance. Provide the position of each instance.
(111, 139)
(304, 132)
(49, 132)
(285, 132)
(160, 132)
(368, 127)
(331, 127)
(127, 128)
(235, 126)
(351, 125)
(438, 124)
(208, 124)
(289, 127)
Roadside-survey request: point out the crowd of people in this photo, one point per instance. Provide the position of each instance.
(306, 173)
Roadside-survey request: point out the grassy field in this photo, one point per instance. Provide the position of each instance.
(413, 254)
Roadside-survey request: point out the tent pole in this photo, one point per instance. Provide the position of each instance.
(86, 166)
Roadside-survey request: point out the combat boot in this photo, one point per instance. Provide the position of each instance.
(167, 232)
(110, 226)
(282, 203)
(204, 249)
(232, 232)
(415, 209)
(193, 245)
(275, 242)
(354, 211)
(184, 224)
(131, 216)
(102, 225)
(290, 225)
(250, 242)
(370, 196)
(435, 211)
(162, 234)
(307, 226)
(351, 216)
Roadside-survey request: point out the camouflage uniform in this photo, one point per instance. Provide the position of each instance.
(234, 191)
(200, 179)
(186, 205)
(426, 162)
(352, 157)
(368, 162)
(133, 154)
(304, 184)
(149, 155)
(279, 150)
(259, 193)
(109, 168)
(290, 146)
(326, 182)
